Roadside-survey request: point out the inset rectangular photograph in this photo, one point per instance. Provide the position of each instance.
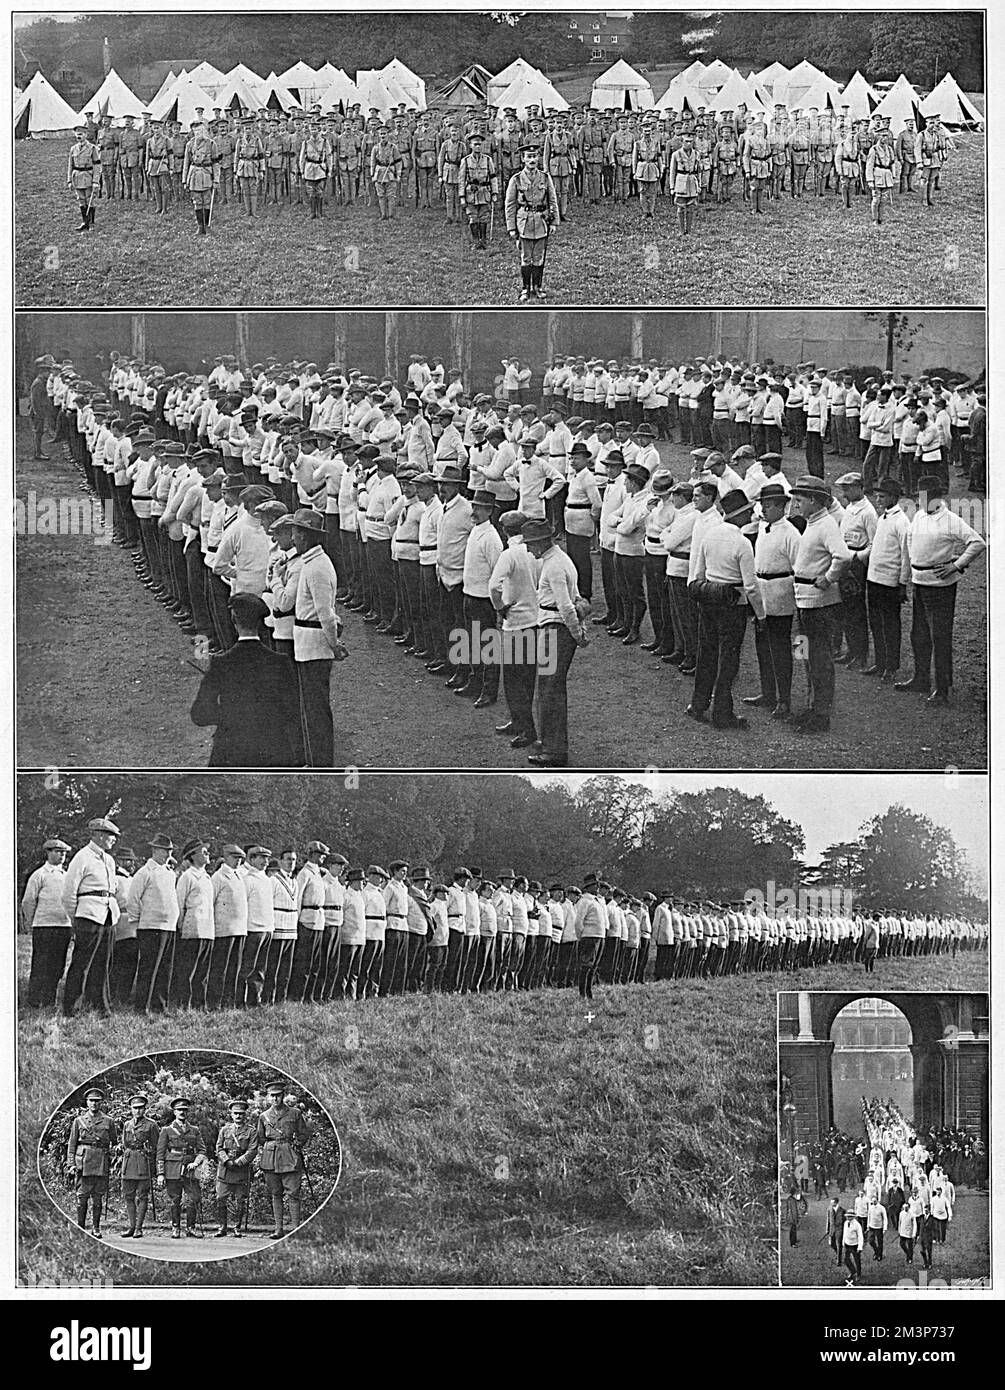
(586, 157)
(884, 1133)
(472, 539)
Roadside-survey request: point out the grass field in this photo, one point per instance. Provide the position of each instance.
(488, 1141)
(124, 702)
(810, 252)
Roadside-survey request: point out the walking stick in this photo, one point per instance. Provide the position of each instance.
(212, 198)
(492, 218)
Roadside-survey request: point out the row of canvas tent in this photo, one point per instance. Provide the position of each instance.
(720, 88)
(40, 110)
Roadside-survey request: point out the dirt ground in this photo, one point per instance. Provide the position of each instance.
(158, 1245)
(811, 251)
(105, 680)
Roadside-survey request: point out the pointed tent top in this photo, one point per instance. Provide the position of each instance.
(621, 86)
(518, 68)
(299, 75)
(246, 75)
(341, 90)
(168, 82)
(678, 93)
(272, 93)
(183, 98)
(113, 98)
(898, 104)
(818, 93)
(715, 75)
(859, 97)
(736, 91)
(774, 72)
(382, 92)
(531, 91)
(953, 105)
(207, 76)
(235, 89)
(407, 80)
(42, 109)
(691, 73)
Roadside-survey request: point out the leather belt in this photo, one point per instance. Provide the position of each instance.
(805, 579)
(680, 555)
(776, 574)
(306, 622)
(95, 893)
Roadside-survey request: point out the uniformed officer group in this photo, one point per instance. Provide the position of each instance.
(464, 528)
(545, 167)
(272, 924)
(170, 1156)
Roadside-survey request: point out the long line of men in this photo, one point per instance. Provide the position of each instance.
(263, 928)
(905, 1191)
(427, 536)
(416, 158)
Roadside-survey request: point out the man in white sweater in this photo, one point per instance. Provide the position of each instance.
(152, 904)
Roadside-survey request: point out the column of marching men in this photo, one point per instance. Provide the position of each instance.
(466, 161)
(464, 528)
(262, 928)
(901, 1183)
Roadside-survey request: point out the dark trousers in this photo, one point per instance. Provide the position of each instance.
(853, 1261)
(484, 961)
(251, 977)
(347, 974)
(333, 546)
(484, 674)
(815, 455)
(154, 959)
(455, 960)
(451, 622)
(179, 573)
(382, 574)
(659, 602)
(49, 949)
(934, 608)
(408, 598)
(324, 982)
(277, 970)
(190, 977)
(196, 573)
(148, 539)
(519, 673)
(610, 584)
(876, 463)
(817, 626)
(855, 620)
(587, 957)
(683, 616)
(87, 977)
(883, 601)
(578, 548)
(429, 628)
(720, 639)
(436, 960)
(218, 597)
(224, 969)
(773, 642)
(557, 648)
(306, 963)
(395, 966)
(314, 682)
(369, 969)
(629, 571)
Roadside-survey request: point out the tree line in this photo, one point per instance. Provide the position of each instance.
(711, 844)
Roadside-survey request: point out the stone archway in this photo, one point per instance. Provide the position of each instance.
(950, 1052)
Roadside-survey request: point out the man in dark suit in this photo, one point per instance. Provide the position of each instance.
(250, 694)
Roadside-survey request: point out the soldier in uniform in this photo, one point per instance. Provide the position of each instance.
(757, 164)
(139, 1154)
(402, 137)
(385, 168)
(347, 152)
(281, 1136)
(448, 168)
(725, 161)
(560, 163)
(83, 174)
(879, 173)
(684, 182)
(531, 211)
(591, 152)
(823, 153)
(201, 174)
(131, 158)
(703, 146)
(799, 157)
(647, 168)
(236, 1146)
(619, 157)
(158, 165)
(93, 1135)
(314, 168)
(847, 163)
(179, 143)
(275, 156)
(931, 150)
(507, 151)
(477, 189)
(180, 1146)
(906, 157)
(249, 164)
(223, 138)
(778, 139)
(424, 161)
(108, 147)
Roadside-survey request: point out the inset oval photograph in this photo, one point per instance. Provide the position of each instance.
(190, 1155)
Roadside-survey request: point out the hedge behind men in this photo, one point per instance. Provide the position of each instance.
(282, 1134)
